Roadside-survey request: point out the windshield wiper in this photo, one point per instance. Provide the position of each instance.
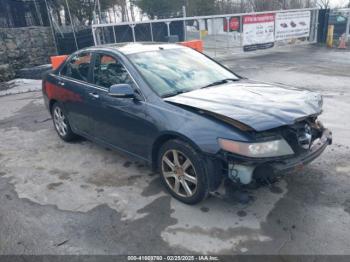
(177, 92)
(220, 82)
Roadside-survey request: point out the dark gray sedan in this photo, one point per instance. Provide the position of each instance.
(191, 118)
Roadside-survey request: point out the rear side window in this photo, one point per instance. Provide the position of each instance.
(78, 67)
(109, 71)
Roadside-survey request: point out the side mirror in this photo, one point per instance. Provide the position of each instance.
(122, 91)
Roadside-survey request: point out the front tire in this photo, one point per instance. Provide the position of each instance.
(61, 124)
(183, 172)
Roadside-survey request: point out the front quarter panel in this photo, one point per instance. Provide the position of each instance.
(199, 129)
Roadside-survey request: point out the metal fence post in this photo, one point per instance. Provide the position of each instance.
(71, 23)
(241, 29)
(312, 27)
(114, 37)
(215, 47)
(168, 27)
(94, 35)
(316, 26)
(347, 27)
(38, 14)
(150, 24)
(133, 32)
(184, 22)
(228, 31)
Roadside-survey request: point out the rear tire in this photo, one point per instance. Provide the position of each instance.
(61, 124)
(183, 172)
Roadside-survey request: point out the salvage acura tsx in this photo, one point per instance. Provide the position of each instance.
(191, 118)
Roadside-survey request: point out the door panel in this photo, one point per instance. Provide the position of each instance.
(121, 122)
(74, 79)
(78, 110)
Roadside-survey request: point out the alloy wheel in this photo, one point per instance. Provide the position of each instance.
(179, 173)
(60, 122)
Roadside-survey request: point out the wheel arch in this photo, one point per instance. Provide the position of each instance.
(56, 101)
(213, 165)
(51, 103)
(163, 138)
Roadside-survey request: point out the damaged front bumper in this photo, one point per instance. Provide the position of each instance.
(244, 170)
(297, 163)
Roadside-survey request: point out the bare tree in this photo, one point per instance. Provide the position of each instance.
(309, 3)
(267, 5)
(323, 4)
(228, 6)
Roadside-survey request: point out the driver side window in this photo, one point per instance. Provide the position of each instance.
(78, 67)
(108, 71)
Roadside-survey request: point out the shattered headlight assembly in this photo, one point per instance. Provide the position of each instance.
(272, 148)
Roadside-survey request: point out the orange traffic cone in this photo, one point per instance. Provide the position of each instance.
(342, 44)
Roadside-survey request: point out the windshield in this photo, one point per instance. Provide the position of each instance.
(174, 71)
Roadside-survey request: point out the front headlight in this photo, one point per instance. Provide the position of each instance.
(261, 149)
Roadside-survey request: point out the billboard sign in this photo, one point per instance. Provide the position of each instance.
(292, 25)
(258, 31)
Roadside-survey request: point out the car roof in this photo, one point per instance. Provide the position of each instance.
(136, 47)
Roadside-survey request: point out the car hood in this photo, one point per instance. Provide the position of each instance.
(257, 105)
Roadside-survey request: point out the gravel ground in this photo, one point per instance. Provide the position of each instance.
(18, 86)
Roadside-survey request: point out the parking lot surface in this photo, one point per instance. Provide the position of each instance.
(80, 198)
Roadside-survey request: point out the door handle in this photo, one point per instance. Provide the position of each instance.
(94, 95)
